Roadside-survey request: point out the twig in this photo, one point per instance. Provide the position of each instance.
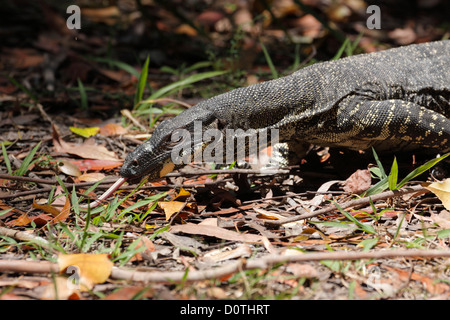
(197, 275)
(27, 266)
(25, 236)
(352, 203)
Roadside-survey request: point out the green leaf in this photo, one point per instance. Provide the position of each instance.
(85, 132)
(83, 95)
(5, 157)
(273, 70)
(142, 203)
(184, 82)
(339, 224)
(421, 170)
(442, 234)
(179, 84)
(379, 164)
(130, 252)
(198, 65)
(368, 244)
(119, 64)
(334, 265)
(361, 226)
(21, 87)
(341, 49)
(142, 82)
(27, 161)
(393, 175)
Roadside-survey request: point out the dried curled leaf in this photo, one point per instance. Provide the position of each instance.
(58, 215)
(87, 269)
(442, 191)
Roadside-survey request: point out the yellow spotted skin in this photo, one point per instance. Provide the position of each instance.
(394, 100)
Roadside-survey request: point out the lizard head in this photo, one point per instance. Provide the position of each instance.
(171, 146)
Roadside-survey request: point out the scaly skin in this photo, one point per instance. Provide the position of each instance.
(394, 100)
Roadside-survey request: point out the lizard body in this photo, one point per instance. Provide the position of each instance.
(393, 100)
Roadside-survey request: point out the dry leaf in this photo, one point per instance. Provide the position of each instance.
(85, 150)
(403, 36)
(149, 247)
(23, 220)
(89, 269)
(67, 167)
(217, 232)
(174, 206)
(96, 165)
(88, 149)
(442, 191)
(442, 219)
(56, 213)
(93, 176)
(264, 214)
(61, 288)
(171, 207)
(112, 129)
(183, 194)
(107, 15)
(429, 283)
(46, 208)
(227, 253)
(358, 182)
(302, 270)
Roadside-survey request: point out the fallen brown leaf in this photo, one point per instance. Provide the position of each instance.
(90, 268)
(217, 232)
(358, 182)
(87, 150)
(112, 129)
(442, 191)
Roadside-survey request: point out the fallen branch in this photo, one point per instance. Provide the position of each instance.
(230, 268)
(25, 236)
(349, 204)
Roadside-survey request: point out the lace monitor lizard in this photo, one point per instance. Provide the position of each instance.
(392, 100)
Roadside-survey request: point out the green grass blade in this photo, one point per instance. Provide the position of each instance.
(421, 169)
(393, 175)
(341, 49)
(178, 85)
(379, 164)
(5, 157)
(83, 95)
(119, 64)
(21, 87)
(362, 226)
(142, 82)
(380, 186)
(185, 82)
(198, 65)
(27, 161)
(273, 70)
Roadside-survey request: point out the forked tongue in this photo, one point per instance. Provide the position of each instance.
(106, 194)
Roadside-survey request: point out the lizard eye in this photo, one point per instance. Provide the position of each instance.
(176, 140)
(135, 163)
